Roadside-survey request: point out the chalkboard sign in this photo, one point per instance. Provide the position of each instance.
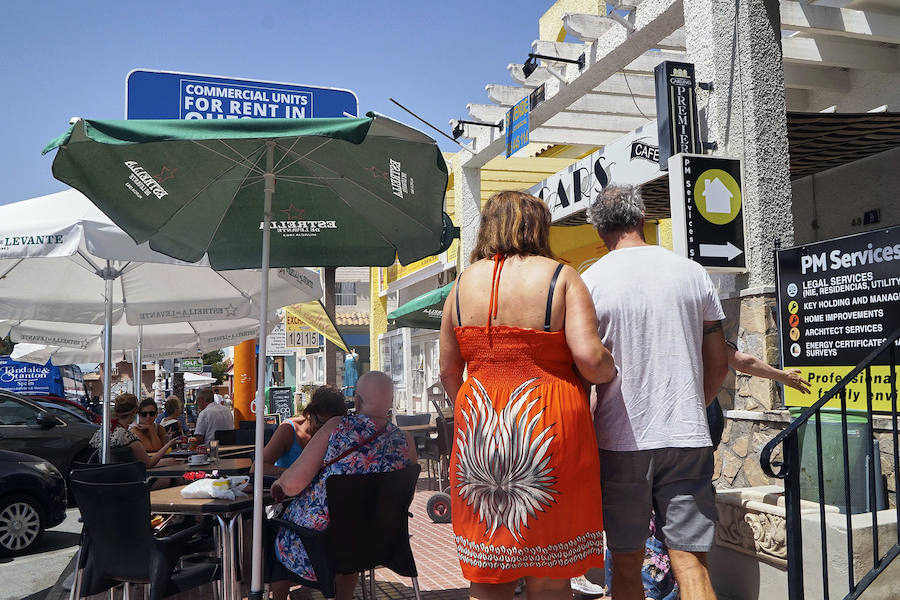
(281, 401)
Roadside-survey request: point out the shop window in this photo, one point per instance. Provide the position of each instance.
(345, 293)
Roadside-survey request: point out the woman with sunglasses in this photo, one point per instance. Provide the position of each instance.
(152, 435)
(292, 436)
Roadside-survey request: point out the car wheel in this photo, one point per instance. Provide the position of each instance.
(21, 523)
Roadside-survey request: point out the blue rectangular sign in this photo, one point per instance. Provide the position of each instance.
(172, 95)
(517, 126)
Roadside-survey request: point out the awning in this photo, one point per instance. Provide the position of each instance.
(424, 311)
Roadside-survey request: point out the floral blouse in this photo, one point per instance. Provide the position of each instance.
(388, 452)
(118, 437)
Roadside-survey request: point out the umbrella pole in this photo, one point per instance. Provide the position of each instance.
(138, 359)
(108, 277)
(256, 583)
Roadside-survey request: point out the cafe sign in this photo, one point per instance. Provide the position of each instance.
(628, 160)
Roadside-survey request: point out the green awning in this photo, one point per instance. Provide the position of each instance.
(424, 312)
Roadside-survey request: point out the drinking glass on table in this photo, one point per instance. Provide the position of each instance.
(213, 449)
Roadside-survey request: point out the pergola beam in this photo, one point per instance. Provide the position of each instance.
(843, 22)
(802, 77)
(834, 52)
(492, 113)
(613, 50)
(560, 135)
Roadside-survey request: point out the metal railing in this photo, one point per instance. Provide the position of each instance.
(789, 470)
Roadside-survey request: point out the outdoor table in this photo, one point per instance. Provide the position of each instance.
(418, 428)
(227, 514)
(237, 450)
(225, 466)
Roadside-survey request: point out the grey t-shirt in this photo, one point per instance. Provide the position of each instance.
(651, 304)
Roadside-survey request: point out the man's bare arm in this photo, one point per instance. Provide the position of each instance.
(715, 359)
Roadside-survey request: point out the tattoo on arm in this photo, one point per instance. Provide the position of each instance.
(712, 328)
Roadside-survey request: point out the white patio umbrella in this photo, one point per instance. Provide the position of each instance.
(193, 381)
(62, 259)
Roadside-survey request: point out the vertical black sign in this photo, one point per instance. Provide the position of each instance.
(707, 211)
(281, 401)
(676, 111)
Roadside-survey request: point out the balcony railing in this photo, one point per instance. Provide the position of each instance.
(789, 469)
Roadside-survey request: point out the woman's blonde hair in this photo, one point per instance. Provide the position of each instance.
(513, 223)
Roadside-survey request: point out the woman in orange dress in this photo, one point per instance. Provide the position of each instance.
(524, 471)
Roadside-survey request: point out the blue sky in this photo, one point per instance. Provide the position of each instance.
(65, 59)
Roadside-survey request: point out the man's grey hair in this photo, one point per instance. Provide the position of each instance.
(617, 208)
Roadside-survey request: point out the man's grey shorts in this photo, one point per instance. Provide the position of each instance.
(676, 483)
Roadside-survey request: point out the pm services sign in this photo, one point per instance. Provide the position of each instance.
(174, 95)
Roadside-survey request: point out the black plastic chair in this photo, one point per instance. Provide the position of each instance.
(97, 473)
(226, 437)
(122, 546)
(369, 528)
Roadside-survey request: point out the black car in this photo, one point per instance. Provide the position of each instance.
(32, 499)
(27, 427)
(66, 412)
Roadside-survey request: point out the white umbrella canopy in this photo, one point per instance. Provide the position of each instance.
(83, 342)
(62, 259)
(77, 243)
(192, 381)
(39, 354)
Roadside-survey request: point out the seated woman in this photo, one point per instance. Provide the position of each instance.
(151, 435)
(172, 418)
(292, 436)
(124, 409)
(336, 450)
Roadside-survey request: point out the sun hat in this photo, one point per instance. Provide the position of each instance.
(125, 404)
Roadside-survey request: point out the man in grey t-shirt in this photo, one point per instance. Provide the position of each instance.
(659, 315)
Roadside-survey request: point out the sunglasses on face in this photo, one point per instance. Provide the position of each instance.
(148, 413)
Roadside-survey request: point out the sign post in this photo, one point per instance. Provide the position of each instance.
(837, 301)
(173, 95)
(707, 211)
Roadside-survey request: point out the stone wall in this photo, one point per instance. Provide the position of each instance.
(752, 405)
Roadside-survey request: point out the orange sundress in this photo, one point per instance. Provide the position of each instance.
(525, 470)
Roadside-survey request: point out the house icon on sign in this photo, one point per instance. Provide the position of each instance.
(717, 195)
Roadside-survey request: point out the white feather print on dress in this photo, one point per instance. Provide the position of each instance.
(503, 471)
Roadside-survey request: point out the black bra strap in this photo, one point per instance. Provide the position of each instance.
(458, 317)
(550, 297)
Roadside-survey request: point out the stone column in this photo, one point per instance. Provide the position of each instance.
(737, 47)
(467, 187)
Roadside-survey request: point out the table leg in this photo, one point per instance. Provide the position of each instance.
(235, 584)
(227, 559)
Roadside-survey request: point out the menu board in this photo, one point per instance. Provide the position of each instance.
(281, 401)
(838, 300)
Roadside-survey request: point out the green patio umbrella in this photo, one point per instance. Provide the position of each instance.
(424, 311)
(259, 193)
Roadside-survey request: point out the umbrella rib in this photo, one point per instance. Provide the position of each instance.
(236, 288)
(11, 267)
(371, 193)
(286, 152)
(306, 156)
(245, 160)
(209, 183)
